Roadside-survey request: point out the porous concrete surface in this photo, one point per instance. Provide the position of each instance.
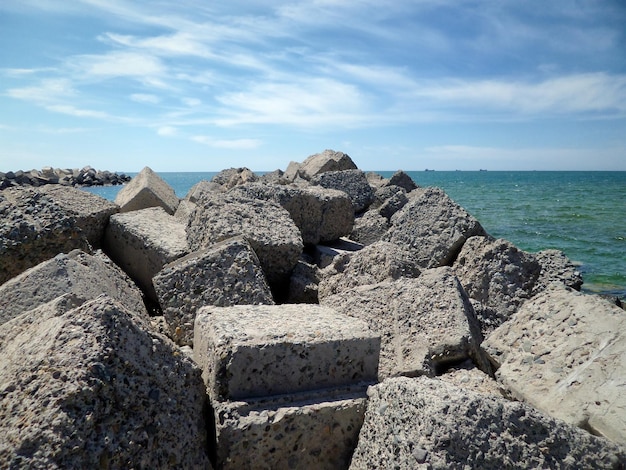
(369, 228)
(268, 228)
(400, 178)
(425, 323)
(375, 263)
(231, 177)
(309, 431)
(392, 204)
(91, 387)
(147, 189)
(142, 242)
(303, 284)
(328, 160)
(498, 275)
(424, 423)
(468, 377)
(261, 350)
(321, 214)
(433, 226)
(352, 182)
(76, 272)
(33, 228)
(565, 353)
(90, 211)
(556, 267)
(228, 273)
(325, 254)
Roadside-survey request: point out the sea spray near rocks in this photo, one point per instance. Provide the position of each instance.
(404, 294)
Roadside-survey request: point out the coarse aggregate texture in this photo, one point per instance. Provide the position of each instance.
(232, 177)
(262, 350)
(147, 189)
(433, 226)
(369, 227)
(142, 242)
(268, 228)
(565, 353)
(425, 423)
(401, 179)
(227, 273)
(33, 228)
(328, 160)
(77, 272)
(556, 267)
(425, 323)
(352, 182)
(94, 387)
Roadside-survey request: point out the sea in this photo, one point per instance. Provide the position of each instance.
(583, 214)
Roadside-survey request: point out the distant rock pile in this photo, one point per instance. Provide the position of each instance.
(318, 317)
(86, 176)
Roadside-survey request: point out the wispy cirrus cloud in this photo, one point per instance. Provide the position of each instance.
(245, 144)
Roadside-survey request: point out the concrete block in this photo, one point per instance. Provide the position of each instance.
(263, 350)
(147, 189)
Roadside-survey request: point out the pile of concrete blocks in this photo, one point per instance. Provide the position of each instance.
(287, 383)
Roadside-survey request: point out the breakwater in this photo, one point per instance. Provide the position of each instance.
(86, 176)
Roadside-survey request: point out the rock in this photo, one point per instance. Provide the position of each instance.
(322, 215)
(292, 172)
(188, 204)
(90, 211)
(33, 228)
(425, 324)
(233, 177)
(77, 272)
(91, 387)
(310, 431)
(426, 423)
(401, 179)
(142, 242)
(375, 263)
(555, 266)
(268, 228)
(227, 273)
(388, 200)
(326, 254)
(468, 377)
(147, 189)
(564, 353)
(303, 284)
(498, 275)
(375, 180)
(369, 228)
(328, 160)
(433, 226)
(352, 182)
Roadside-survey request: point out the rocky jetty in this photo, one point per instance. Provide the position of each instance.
(85, 176)
(317, 317)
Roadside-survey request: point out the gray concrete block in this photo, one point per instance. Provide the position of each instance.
(263, 350)
(147, 189)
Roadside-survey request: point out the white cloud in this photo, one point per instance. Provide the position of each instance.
(118, 64)
(191, 102)
(44, 92)
(145, 98)
(167, 131)
(232, 144)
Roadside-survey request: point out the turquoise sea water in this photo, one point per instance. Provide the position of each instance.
(582, 214)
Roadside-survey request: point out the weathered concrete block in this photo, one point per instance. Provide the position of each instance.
(142, 242)
(433, 226)
(369, 228)
(76, 272)
(90, 211)
(263, 350)
(228, 273)
(303, 284)
(426, 423)
(92, 387)
(327, 253)
(372, 264)
(328, 160)
(321, 214)
(268, 228)
(556, 267)
(400, 178)
(316, 431)
(498, 275)
(425, 323)
(232, 177)
(565, 353)
(147, 189)
(33, 228)
(353, 182)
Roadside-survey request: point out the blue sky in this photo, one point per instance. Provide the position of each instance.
(408, 84)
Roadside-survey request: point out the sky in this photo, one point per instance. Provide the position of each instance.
(410, 84)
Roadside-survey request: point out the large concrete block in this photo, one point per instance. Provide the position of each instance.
(264, 224)
(142, 242)
(425, 323)
(328, 160)
(147, 189)
(228, 273)
(76, 272)
(565, 353)
(316, 430)
(255, 351)
(91, 386)
(321, 214)
(433, 226)
(353, 182)
(427, 423)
